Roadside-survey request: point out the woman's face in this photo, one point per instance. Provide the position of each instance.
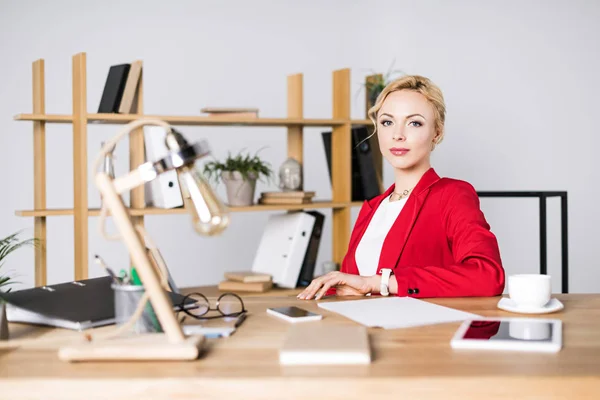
(406, 129)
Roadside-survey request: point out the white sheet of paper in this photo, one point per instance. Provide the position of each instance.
(395, 312)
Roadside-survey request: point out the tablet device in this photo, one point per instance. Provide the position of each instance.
(294, 314)
(516, 334)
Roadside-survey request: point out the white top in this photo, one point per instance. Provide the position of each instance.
(369, 248)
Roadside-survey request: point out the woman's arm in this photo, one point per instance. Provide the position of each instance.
(477, 270)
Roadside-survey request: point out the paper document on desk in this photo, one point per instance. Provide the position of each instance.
(395, 312)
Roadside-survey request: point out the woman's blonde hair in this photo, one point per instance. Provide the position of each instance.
(419, 84)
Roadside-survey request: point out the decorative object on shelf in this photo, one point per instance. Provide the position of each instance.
(291, 197)
(375, 84)
(209, 217)
(8, 245)
(239, 173)
(230, 112)
(290, 175)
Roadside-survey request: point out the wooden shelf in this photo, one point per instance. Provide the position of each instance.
(191, 120)
(53, 118)
(185, 120)
(56, 212)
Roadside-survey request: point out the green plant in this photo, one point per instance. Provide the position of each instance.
(7, 246)
(248, 166)
(380, 81)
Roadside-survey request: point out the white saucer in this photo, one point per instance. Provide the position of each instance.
(509, 305)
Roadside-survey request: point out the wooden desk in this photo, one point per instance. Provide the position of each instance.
(415, 363)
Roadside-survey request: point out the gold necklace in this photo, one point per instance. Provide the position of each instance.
(400, 195)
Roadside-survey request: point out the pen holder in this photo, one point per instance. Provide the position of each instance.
(127, 298)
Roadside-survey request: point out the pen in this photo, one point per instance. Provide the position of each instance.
(101, 262)
(124, 277)
(136, 281)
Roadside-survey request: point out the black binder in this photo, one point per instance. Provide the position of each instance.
(307, 271)
(366, 183)
(75, 305)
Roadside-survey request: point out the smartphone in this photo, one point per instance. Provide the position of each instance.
(294, 314)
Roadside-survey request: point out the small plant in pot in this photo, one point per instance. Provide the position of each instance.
(239, 173)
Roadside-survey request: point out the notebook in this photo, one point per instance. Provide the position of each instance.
(324, 344)
(395, 312)
(74, 305)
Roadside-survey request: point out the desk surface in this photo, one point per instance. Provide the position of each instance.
(414, 363)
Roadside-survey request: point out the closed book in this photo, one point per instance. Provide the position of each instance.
(233, 286)
(248, 276)
(130, 92)
(291, 200)
(294, 194)
(227, 110)
(113, 88)
(324, 344)
(234, 115)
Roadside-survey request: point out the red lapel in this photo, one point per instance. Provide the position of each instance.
(399, 232)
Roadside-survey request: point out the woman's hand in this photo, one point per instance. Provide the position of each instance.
(320, 286)
(345, 290)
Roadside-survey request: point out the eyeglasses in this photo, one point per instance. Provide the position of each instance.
(228, 305)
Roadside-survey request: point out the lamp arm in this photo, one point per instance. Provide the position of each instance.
(108, 148)
(110, 144)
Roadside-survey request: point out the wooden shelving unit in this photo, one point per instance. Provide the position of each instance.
(80, 119)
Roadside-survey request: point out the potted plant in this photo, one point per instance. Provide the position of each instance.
(377, 82)
(239, 173)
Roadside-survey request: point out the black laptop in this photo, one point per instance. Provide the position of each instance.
(75, 305)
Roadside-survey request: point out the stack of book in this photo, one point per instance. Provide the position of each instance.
(229, 112)
(292, 197)
(246, 281)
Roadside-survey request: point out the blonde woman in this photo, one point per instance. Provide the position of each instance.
(425, 236)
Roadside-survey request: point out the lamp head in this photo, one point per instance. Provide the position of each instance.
(209, 214)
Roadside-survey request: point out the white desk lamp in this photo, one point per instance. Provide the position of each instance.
(210, 217)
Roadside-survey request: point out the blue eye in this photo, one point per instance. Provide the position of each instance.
(416, 123)
(385, 122)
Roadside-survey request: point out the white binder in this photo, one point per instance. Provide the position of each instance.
(164, 191)
(283, 247)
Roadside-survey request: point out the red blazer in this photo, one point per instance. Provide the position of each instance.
(440, 244)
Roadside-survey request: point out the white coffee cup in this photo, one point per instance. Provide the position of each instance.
(530, 290)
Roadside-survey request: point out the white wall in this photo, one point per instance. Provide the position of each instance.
(520, 80)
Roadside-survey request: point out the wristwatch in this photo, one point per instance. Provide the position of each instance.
(385, 281)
